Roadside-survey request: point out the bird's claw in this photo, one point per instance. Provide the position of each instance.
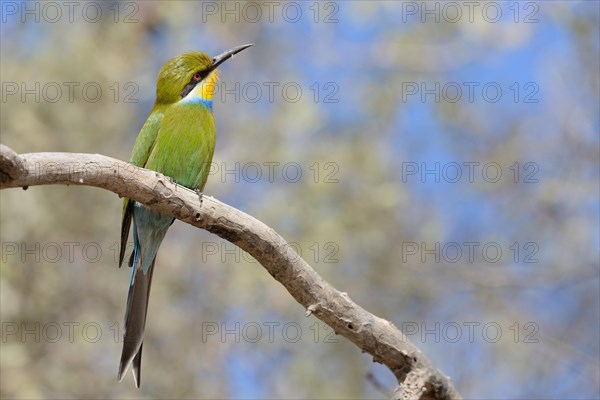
(200, 195)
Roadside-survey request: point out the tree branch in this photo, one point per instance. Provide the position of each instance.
(417, 377)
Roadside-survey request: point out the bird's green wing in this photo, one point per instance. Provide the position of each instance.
(139, 155)
(185, 145)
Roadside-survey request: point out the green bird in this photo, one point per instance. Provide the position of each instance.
(177, 140)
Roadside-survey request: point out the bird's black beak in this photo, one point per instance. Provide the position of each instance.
(224, 56)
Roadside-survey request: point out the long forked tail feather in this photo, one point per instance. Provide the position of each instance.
(149, 230)
(135, 322)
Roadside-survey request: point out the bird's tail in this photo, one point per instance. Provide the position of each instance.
(135, 322)
(149, 229)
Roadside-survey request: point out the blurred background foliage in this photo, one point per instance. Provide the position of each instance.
(219, 326)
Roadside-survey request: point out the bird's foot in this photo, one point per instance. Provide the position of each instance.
(200, 195)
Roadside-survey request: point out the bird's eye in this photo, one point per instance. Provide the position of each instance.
(197, 76)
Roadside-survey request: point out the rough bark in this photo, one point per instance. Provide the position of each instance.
(417, 378)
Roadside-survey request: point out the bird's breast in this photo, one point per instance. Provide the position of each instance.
(185, 145)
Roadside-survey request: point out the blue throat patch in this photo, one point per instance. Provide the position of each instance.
(198, 101)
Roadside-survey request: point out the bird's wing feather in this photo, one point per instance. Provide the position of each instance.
(141, 151)
(184, 146)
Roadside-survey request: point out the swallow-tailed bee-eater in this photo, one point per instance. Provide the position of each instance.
(177, 140)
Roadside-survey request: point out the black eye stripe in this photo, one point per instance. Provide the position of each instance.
(203, 74)
(188, 88)
(192, 83)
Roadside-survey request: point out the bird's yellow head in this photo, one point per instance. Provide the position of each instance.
(190, 78)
